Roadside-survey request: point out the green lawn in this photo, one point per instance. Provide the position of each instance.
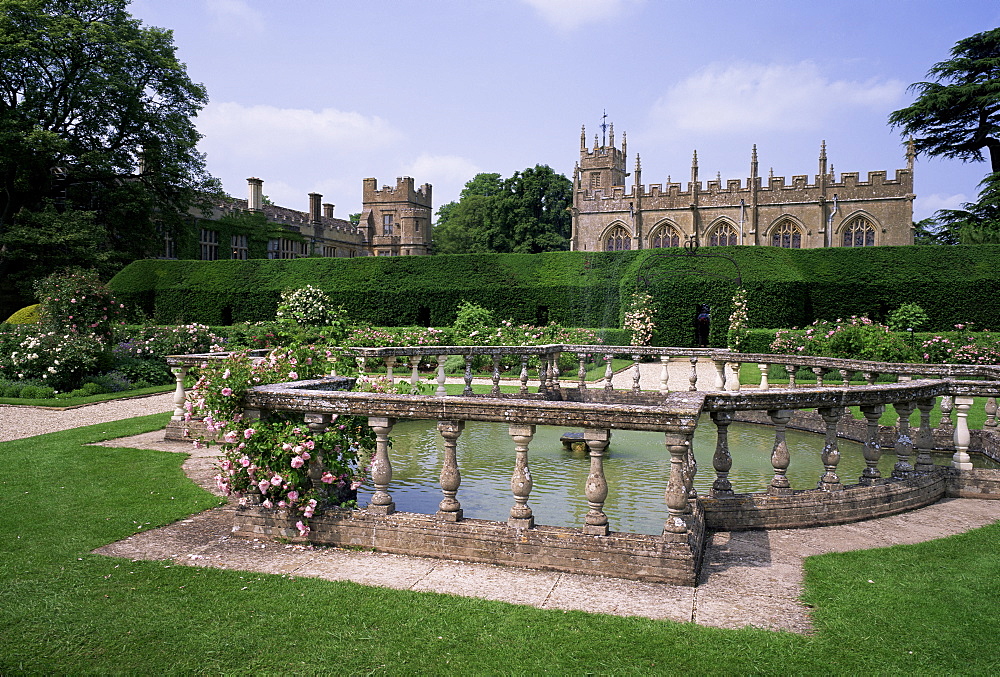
(76, 401)
(930, 607)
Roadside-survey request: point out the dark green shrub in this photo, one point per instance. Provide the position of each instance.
(154, 371)
(37, 393)
(92, 388)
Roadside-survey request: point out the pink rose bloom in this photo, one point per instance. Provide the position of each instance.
(293, 375)
(297, 449)
(245, 461)
(297, 462)
(327, 478)
(230, 437)
(354, 485)
(263, 485)
(286, 447)
(248, 433)
(226, 392)
(305, 455)
(293, 496)
(282, 504)
(268, 504)
(303, 529)
(313, 503)
(276, 480)
(309, 444)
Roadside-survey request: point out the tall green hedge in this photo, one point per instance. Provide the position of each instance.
(586, 289)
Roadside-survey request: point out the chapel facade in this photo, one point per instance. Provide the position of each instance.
(608, 215)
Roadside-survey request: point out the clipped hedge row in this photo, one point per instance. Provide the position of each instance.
(587, 289)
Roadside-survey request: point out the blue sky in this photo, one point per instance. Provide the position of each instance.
(314, 95)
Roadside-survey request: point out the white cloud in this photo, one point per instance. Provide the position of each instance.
(447, 175)
(756, 97)
(925, 205)
(568, 15)
(262, 131)
(236, 16)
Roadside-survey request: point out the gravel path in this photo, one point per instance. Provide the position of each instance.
(17, 422)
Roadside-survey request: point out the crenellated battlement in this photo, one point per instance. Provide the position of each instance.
(403, 191)
(810, 208)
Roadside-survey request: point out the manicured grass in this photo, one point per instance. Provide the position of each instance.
(66, 611)
(76, 401)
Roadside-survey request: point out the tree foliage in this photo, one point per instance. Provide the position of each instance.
(95, 118)
(957, 115)
(526, 213)
(977, 222)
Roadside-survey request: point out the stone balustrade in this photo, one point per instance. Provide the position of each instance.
(670, 404)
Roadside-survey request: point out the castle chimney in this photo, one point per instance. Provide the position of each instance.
(314, 207)
(328, 210)
(255, 194)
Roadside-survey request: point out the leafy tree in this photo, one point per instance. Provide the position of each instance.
(95, 115)
(977, 222)
(957, 115)
(929, 231)
(526, 213)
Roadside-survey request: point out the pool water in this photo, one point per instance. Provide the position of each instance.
(637, 467)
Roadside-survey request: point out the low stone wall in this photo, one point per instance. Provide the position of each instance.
(975, 483)
(816, 507)
(671, 558)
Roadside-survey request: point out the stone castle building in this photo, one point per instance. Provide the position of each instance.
(395, 221)
(608, 215)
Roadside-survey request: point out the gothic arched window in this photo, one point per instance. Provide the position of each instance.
(724, 236)
(617, 240)
(786, 234)
(665, 236)
(860, 232)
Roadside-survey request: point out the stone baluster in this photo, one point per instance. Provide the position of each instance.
(664, 374)
(520, 481)
(904, 443)
(872, 451)
(495, 390)
(790, 369)
(830, 481)
(596, 522)
(924, 439)
(554, 373)
(845, 377)
(440, 391)
(733, 379)
(820, 373)
(720, 374)
(581, 374)
(390, 362)
(636, 373)
(779, 454)
(467, 390)
(524, 374)
(450, 510)
(318, 424)
(722, 461)
(961, 459)
(947, 404)
(414, 370)
(380, 468)
(362, 363)
(763, 366)
(871, 377)
(609, 371)
(693, 378)
(180, 373)
(676, 494)
(991, 413)
(543, 373)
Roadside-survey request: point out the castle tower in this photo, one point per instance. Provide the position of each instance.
(397, 221)
(603, 167)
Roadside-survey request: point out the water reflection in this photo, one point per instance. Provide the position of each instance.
(637, 468)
